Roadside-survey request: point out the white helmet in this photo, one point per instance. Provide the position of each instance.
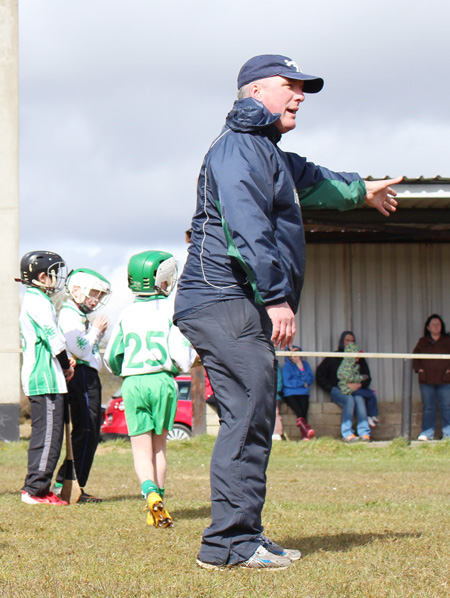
(89, 289)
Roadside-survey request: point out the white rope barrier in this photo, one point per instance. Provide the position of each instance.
(362, 354)
(331, 354)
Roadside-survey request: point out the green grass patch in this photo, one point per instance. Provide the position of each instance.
(371, 521)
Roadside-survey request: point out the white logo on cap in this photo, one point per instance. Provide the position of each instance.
(293, 64)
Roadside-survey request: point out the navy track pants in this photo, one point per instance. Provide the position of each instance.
(233, 340)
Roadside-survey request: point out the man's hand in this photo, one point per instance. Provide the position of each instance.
(283, 324)
(380, 195)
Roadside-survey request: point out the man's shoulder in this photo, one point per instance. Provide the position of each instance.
(244, 139)
(237, 150)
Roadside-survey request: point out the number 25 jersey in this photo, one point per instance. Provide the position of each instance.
(145, 340)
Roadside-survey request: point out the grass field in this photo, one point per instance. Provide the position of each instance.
(371, 521)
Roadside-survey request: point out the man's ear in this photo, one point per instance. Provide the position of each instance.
(255, 91)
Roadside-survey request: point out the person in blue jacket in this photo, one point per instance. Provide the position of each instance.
(240, 289)
(297, 379)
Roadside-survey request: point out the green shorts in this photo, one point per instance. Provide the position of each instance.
(150, 403)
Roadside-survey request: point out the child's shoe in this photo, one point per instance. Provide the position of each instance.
(88, 498)
(157, 514)
(306, 430)
(48, 499)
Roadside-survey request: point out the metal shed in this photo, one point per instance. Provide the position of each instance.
(380, 277)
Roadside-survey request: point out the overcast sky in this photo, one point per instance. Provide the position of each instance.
(120, 99)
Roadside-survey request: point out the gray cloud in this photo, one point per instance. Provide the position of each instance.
(120, 100)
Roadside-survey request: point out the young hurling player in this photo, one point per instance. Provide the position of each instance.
(45, 369)
(148, 350)
(88, 291)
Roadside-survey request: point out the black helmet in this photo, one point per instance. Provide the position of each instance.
(52, 264)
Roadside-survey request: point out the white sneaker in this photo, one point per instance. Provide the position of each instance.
(372, 422)
(276, 437)
(423, 438)
(264, 559)
(260, 559)
(271, 546)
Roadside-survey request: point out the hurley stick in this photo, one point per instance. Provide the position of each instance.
(70, 490)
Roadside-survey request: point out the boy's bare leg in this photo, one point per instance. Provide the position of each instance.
(142, 449)
(159, 458)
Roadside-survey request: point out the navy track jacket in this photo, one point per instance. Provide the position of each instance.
(247, 230)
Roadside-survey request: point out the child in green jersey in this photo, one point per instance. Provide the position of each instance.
(87, 291)
(148, 350)
(45, 370)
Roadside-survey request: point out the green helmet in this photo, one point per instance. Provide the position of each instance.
(152, 273)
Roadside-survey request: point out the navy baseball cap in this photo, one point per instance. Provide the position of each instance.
(270, 65)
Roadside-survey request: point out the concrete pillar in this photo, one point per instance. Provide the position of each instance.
(9, 222)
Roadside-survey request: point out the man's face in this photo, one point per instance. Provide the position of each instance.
(280, 95)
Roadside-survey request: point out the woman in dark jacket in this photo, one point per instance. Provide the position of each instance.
(434, 377)
(326, 378)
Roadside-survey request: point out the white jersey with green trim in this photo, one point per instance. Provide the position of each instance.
(82, 339)
(41, 342)
(145, 340)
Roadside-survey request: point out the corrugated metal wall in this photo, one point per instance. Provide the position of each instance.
(382, 292)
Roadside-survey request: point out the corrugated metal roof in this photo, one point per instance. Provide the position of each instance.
(423, 215)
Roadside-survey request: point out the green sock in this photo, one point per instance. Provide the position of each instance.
(161, 492)
(149, 486)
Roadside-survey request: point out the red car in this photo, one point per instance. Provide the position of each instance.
(115, 425)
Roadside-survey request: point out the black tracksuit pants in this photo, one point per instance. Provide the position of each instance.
(47, 431)
(85, 399)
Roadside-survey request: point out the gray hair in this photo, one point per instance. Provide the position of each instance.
(244, 91)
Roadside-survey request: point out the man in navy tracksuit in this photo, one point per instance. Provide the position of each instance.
(240, 289)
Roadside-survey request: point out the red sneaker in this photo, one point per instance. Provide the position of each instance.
(48, 499)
